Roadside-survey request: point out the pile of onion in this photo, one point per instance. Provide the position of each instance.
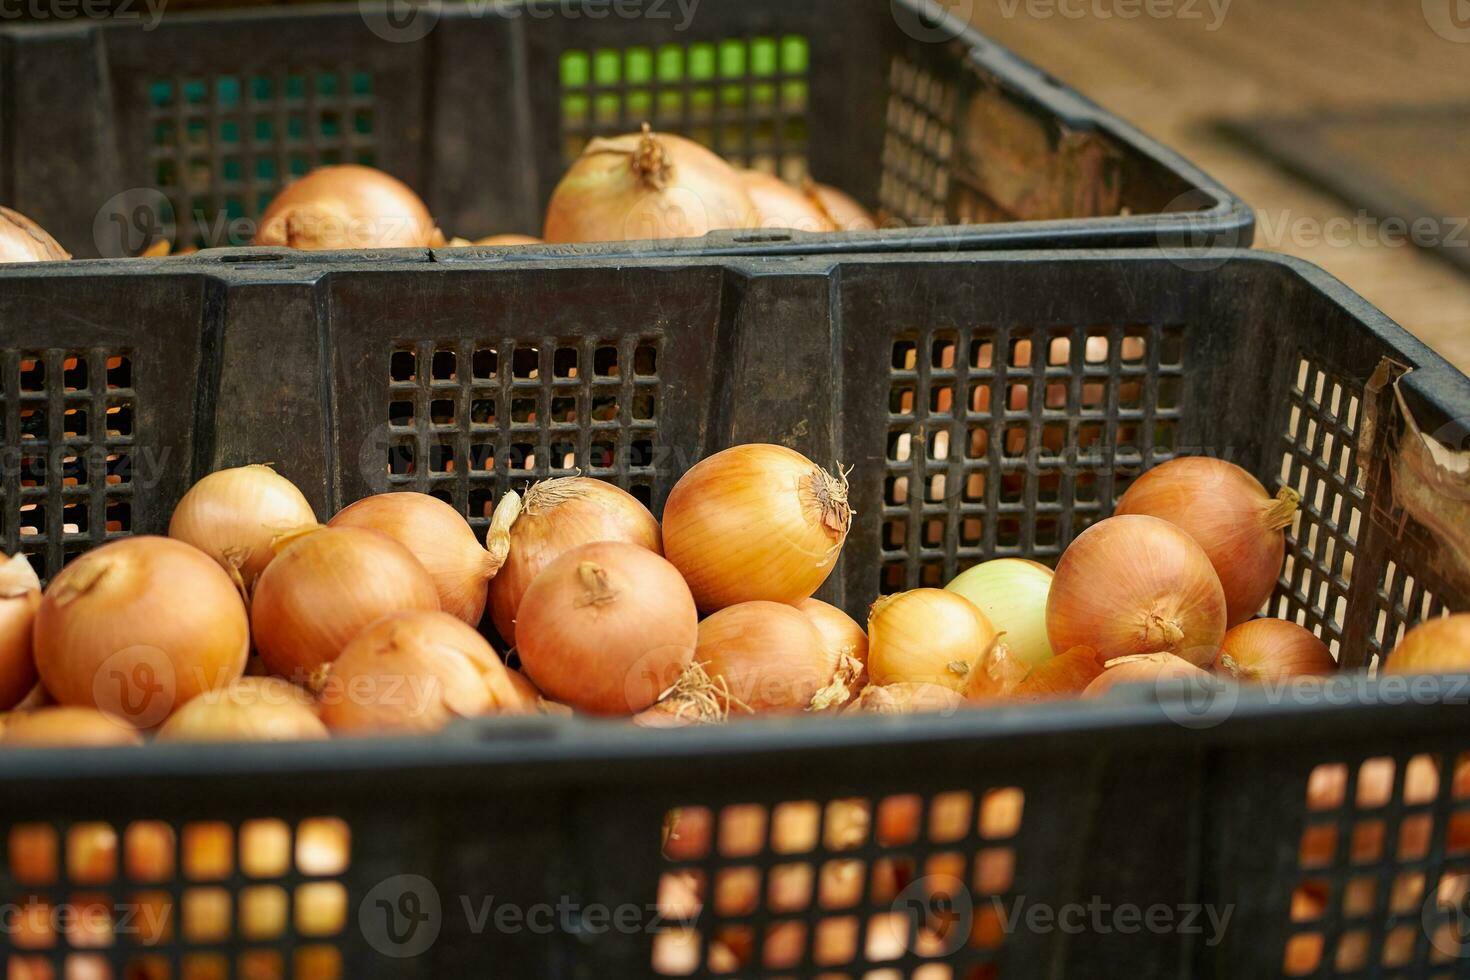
(20, 597)
(779, 205)
(1135, 585)
(1230, 515)
(646, 186)
(764, 657)
(1272, 650)
(927, 636)
(1435, 646)
(233, 516)
(1012, 593)
(554, 517)
(22, 240)
(755, 522)
(251, 709)
(348, 206)
(842, 211)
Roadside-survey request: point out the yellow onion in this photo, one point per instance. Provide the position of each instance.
(1150, 668)
(555, 517)
(763, 657)
(138, 627)
(233, 516)
(252, 709)
(909, 698)
(926, 636)
(1230, 515)
(779, 205)
(20, 597)
(323, 587)
(1012, 594)
(607, 628)
(1272, 650)
(348, 206)
(508, 240)
(443, 542)
(1135, 585)
(414, 671)
(22, 240)
(68, 727)
(646, 186)
(841, 210)
(756, 522)
(1435, 646)
(846, 646)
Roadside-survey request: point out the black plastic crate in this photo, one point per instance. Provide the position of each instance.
(357, 373)
(120, 131)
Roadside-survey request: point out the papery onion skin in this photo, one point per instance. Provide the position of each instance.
(926, 636)
(909, 698)
(1272, 650)
(607, 628)
(66, 727)
(440, 538)
(20, 597)
(845, 213)
(233, 516)
(22, 240)
(557, 516)
(251, 709)
(1435, 646)
(1012, 593)
(764, 657)
(996, 674)
(348, 206)
(1064, 676)
(843, 639)
(755, 522)
(779, 205)
(1136, 585)
(1230, 515)
(138, 627)
(323, 588)
(507, 241)
(646, 186)
(1152, 668)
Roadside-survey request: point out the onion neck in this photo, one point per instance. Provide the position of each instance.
(1164, 634)
(544, 497)
(839, 690)
(497, 539)
(651, 161)
(83, 580)
(285, 539)
(1280, 512)
(1238, 670)
(698, 697)
(830, 494)
(597, 588)
(17, 577)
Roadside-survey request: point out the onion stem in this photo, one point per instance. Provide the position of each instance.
(1282, 511)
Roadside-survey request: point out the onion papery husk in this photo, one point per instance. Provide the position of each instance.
(1066, 675)
(22, 240)
(908, 698)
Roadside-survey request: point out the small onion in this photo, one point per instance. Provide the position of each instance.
(443, 542)
(845, 213)
(1272, 650)
(20, 597)
(348, 206)
(909, 698)
(1012, 594)
(323, 587)
(22, 240)
(68, 727)
(1435, 646)
(756, 522)
(1151, 668)
(1135, 585)
(646, 186)
(926, 636)
(846, 646)
(555, 517)
(252, 709)
(607, 628)
(233, 516)
(138, 627)
(779, 205)
(1230, 515)
(763, 657)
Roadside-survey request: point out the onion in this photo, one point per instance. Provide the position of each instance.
(22, 240)
(414, 671)
(1230, 515)
(607, 628)
(763, 657)
(1012, 594)
(756, 522)
(846, 646)
(1435, 646)
(779, 205)
(348, 206)
(503, 241)
(323, 587)
(1272, 650)
(138, 627)
(1133, 585)
(443, 542)
(908, 698)
(20, 597)
(926, 636)
(234, 515)
(1064, 676)
(69, 727)
(252, 709)
(646, 186)
(555, 517)
(1149, 668)
(841, 210)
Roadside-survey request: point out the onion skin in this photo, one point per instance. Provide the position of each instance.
(845, 213)
(646, 186)
(996, 675)
(323, 588)
(926, 636)
(22, 240)
(1272, 650)
(557, 516)
(764, 656)
(143, 623)
(1064, 676)
(1435, 646)
(233, 516)
(755, 522)
(507, 241)
(909, 698)
(1143, 669)
(20, 597)
(348, 206)
(1012, 593)
(67, 727)
(252, 709)
(845, 643)
(440, 538)
(607, 628)
(1230, 515)
(779, 205)
(1136, 585)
